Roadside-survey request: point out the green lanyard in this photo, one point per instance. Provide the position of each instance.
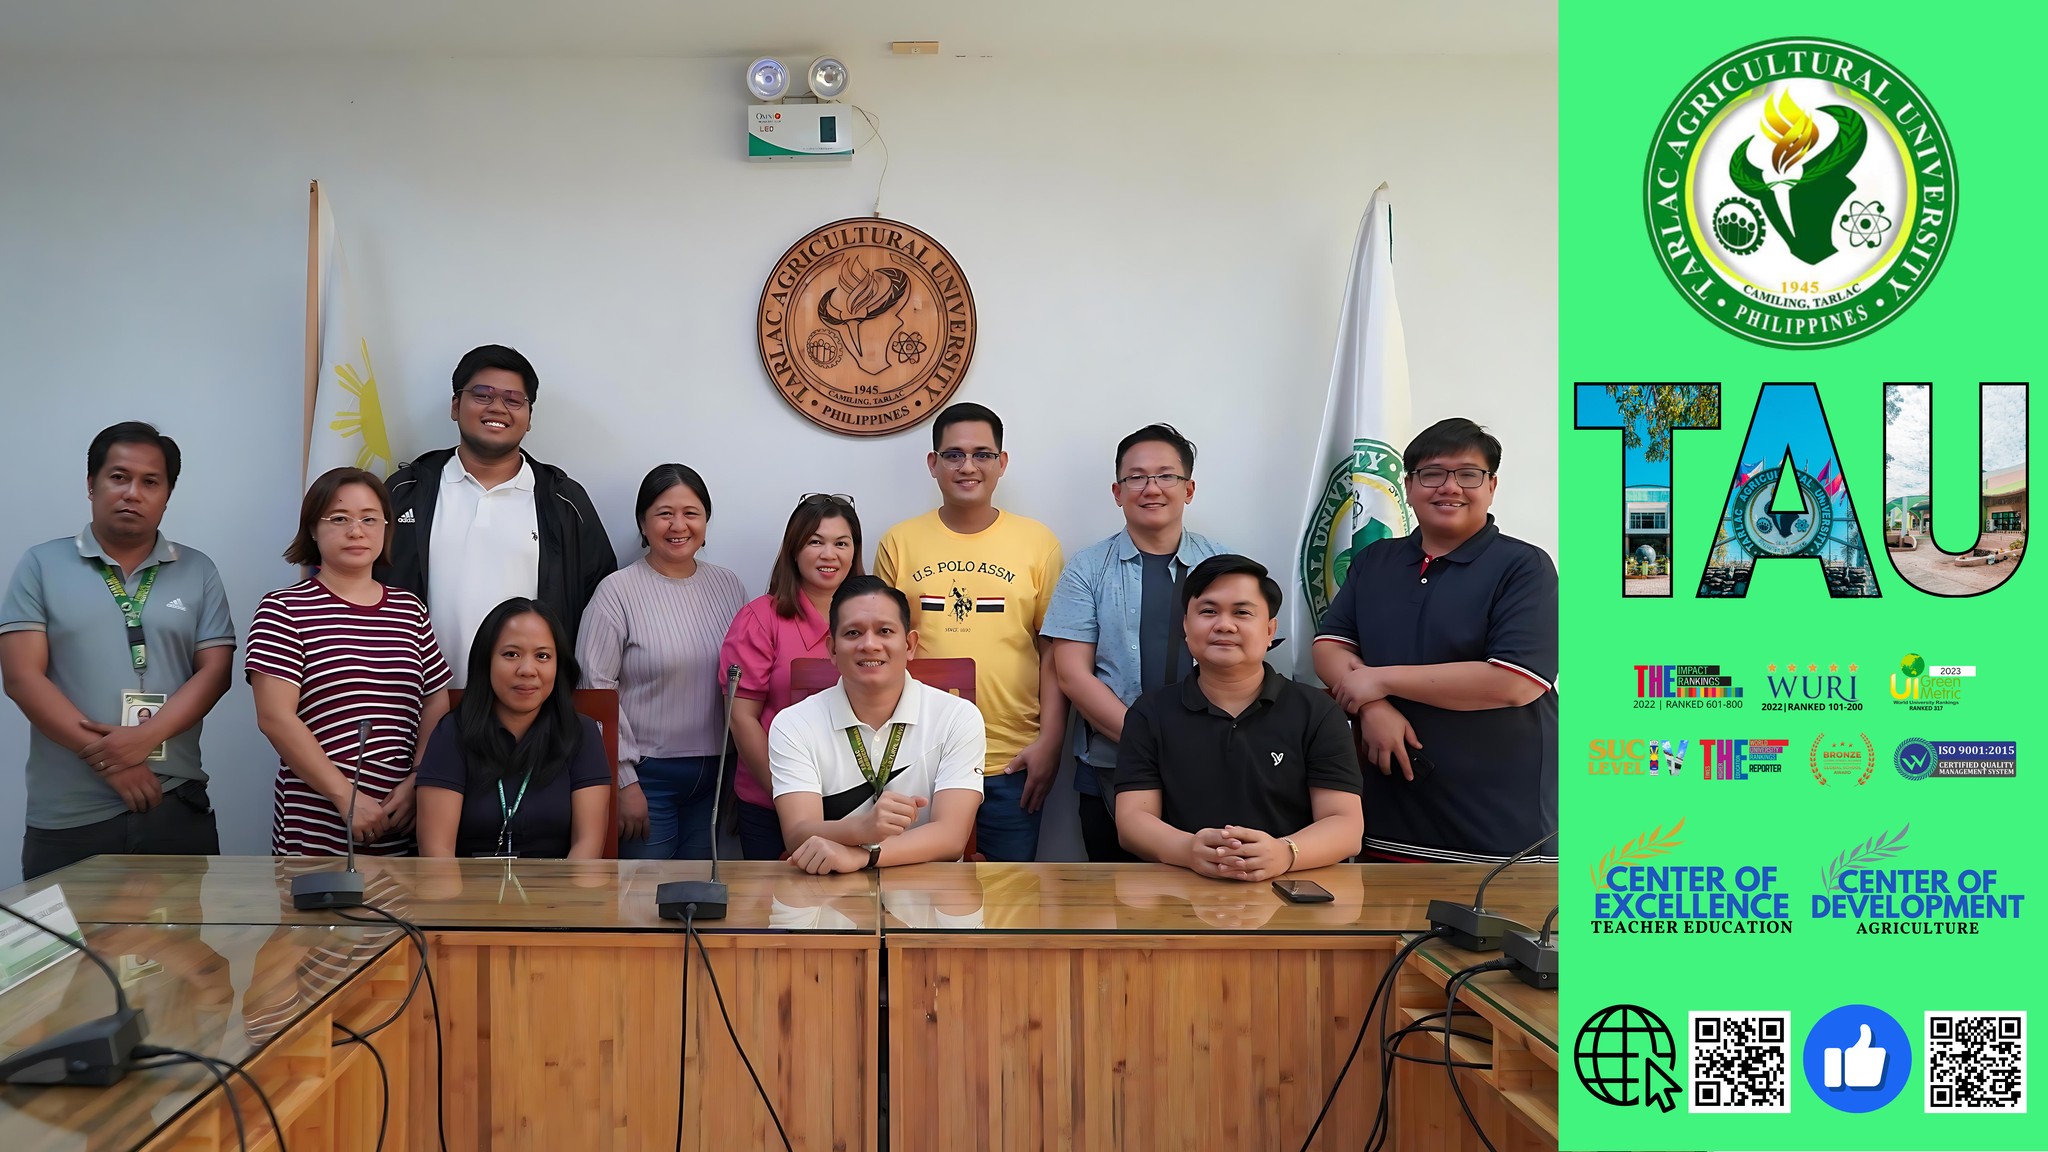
(505, 828)
(131, 610)
(879, 780)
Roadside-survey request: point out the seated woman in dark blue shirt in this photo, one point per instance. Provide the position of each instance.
(513, 770)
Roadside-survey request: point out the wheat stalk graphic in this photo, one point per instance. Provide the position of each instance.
(1882, 846)
(1655, 842)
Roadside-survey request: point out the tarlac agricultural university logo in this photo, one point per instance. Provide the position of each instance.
(866, 326)
(1800, 193)
(1361, 502)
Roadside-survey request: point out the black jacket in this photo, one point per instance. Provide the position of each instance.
(575, 553)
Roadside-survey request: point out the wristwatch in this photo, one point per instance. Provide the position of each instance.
(874, 856)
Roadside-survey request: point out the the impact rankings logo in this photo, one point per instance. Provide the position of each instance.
(1753, 973)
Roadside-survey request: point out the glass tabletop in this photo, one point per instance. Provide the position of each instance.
(773, 897)
(223, 991)
(1150, 899)
(496, 895)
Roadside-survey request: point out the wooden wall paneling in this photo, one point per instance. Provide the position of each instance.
(806, 1014)
(559, 1040)
(1187, 1043)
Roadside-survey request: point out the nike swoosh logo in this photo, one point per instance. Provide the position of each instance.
(840, 805)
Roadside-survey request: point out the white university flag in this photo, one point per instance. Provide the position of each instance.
(1355, 495)
(349, 427)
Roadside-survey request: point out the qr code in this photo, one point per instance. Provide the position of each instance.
(1739, 1062)
(1977, 1062)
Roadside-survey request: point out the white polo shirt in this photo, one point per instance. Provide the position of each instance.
(944, 742)
(484, 551)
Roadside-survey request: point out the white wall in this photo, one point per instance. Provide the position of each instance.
(597, 215)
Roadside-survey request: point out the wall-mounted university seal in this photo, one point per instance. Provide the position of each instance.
(866, 326)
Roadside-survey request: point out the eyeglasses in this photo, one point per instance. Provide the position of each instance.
(955, 457)
(839, 498)
(483, 394)
(340, 523)
(1165, 480)
(1435, 477)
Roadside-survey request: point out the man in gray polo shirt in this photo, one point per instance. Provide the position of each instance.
(115, 686)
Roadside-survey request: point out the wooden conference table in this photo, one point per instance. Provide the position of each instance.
(1021, 1006)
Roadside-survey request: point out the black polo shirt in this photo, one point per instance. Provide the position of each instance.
(1491, 784)
(1255, 770)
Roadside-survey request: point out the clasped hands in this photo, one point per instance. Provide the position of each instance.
(119, 755)
(374, 820)
(1234, 853)
(1383, 731)
(893, 814)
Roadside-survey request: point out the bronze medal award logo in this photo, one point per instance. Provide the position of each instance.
(1800, 193)
(866, 326)
(1842, 760)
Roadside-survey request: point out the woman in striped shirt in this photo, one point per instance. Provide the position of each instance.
(335, 656)
(652, 631)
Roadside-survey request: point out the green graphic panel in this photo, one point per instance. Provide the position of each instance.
(1792, 781)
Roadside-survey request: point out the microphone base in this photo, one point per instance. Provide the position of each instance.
(1535, 962)
(317, 891)
(1470, 928)
(93, 1053)
(673, 899)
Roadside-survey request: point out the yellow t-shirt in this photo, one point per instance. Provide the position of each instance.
(983, 597)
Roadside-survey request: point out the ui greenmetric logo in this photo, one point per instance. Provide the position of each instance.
(1800, 193)
(1361, 502)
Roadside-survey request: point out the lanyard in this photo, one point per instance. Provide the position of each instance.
(131, 610)
(879, 780)
(505, 828)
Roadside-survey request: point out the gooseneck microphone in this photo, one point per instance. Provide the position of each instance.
(96, 1052)
(1472, 927)
(704, 899)
(314, 891)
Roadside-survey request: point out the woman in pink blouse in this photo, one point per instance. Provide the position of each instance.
(820, 549)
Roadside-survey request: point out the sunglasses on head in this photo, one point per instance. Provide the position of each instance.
(839, 498)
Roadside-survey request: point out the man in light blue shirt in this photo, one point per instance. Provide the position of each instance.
(1114, 621)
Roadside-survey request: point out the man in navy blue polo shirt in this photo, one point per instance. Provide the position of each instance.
(1450, 669)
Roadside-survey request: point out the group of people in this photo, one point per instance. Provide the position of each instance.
(433, 652)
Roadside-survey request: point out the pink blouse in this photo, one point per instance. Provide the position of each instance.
(764, 644)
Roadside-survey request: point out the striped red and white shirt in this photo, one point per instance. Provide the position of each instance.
(352, 663)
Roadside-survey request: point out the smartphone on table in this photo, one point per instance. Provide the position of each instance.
(1302, 892)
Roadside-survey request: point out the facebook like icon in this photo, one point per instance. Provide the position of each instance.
(1857, 1059)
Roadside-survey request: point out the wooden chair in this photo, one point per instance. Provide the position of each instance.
(812, 675)
(602, 706)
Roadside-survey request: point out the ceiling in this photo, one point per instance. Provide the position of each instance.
(703, 28)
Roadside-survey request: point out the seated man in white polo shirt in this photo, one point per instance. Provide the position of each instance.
(878, 769)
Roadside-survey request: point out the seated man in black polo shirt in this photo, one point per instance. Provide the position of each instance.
(1237, 772)
(1444, 644)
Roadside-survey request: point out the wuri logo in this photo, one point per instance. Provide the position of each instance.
(1813, 682)
(1800, 193)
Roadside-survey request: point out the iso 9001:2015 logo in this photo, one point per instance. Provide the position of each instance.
(1800, 193)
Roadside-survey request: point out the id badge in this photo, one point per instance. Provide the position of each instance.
(137, 708)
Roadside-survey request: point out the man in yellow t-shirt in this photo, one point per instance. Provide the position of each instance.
(979, 580)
